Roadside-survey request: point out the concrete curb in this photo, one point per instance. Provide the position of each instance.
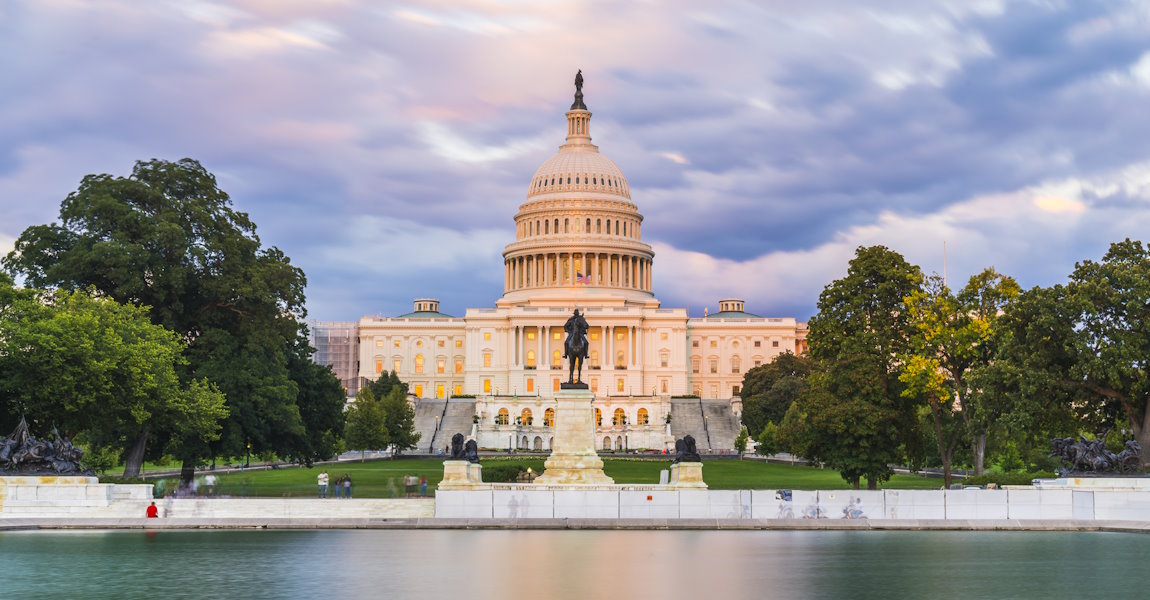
(580, 524)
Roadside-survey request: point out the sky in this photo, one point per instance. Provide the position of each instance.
(386, 146)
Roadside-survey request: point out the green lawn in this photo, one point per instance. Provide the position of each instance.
(384, 478)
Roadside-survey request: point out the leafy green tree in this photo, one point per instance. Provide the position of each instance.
(767, 443)
(858, 421)
(1087, 343)
(400, 422)
(768, 390)
(321, 400)
(91, 365)
(741, 440)
(387, 381)
(366, 426)
(954, 335)
(168, 238)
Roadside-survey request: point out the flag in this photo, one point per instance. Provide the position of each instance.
(581, 278)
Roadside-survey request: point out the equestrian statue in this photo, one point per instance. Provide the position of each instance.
(575, 347)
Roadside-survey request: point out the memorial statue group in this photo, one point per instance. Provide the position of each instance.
(1091, 456)
(22, 453)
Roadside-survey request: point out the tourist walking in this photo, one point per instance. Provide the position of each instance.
(423, 486)
(322, 482)
(210, 480)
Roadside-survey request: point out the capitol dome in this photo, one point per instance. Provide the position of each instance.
(578, 231)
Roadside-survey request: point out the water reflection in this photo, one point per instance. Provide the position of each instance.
(608, 565)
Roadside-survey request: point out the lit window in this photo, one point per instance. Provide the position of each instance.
(595, 386)
(418, 364)
(555, 356)
(594, 359)
(378, 343)
(525, 417)
(395, 364)
(598, 418)
(555, 335)
(379, 365)
(458, 389)
(442, 343)
(619, 360)
(459, 365)
(618, 335)
(419, 343)
(663, 385)
(620, 417)
(549, 417)
(486, 386)
(641, 418)
(458, 343)
(663, 336)
(714, 365)
(439, 391)
(619, 385)
(487, 359)
(440, 365)
(503, 418)
(735, 344)
(594, 335)
(714, 343)
(418, 391)
(555, 384)
(531, 359)
(530, 384)
(530, 335)
(395, 343)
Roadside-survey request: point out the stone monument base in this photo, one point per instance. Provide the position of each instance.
(65, 495)
(461, 475)
(688, 475)
(573, 458)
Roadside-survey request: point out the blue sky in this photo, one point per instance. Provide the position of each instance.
(385, 146)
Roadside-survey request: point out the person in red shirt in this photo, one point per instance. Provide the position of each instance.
(153, 512)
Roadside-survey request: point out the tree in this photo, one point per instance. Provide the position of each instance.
(858, 421)
(167, 238)
(1088, 343)
(767, 442)
(400, 421)
(388, 380)
(321, 400)
(93, 366)
(954, 335)
(741, 440)
(366, 423)
(768, 390)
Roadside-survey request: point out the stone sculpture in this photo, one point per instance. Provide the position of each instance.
(23, 454)
(457, 451)
(578, 103)
(575, 348)
(1091, 456)
(685, 450)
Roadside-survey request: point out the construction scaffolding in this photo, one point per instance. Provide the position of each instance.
(337, 346)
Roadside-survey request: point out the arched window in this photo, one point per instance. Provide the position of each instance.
(620, 417)
(641, 418)
(418, 363)
(526, 416)
(598, 225)
(606, 443)
(556, 225)
(539, 440)
(616, 226)
(503, 418)
(566, 225)
(546, 226)
(530, 359)
(598, 417)
(549, 417)
(588, 230)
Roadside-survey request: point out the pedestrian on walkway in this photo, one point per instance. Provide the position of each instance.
(338, 488)
(322, 482)
(423, 486)
(347, 486)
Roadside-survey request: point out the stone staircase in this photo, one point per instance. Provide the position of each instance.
(426, 413)
(457, 419)
(721, 423)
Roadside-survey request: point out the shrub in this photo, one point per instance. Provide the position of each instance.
(1007, 478)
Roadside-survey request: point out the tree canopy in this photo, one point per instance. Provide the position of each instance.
(769, 389)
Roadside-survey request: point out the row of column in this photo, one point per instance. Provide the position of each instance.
(548, 270)
(607, 346)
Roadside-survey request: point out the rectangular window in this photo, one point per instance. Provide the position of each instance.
(758, 343)
(379, 365)
(395, 364)
(486, 386)
(440, 366)
(458, 389)
(418, 391)
(556, 335)
(594, 385)
(734, 390)
(395, 343)
(530, 335)
(458, 343)
(694, 343)
(735, 369)
(439, 391)
(487, 359)
(594, 335)
(379, 343)
(487, 335)
(714, 366)
(458, 365)
(714, 390)
(663, 360)
(664, 385)
(530, 384)
(618, 335)
(758, 363)
(442, 343)
(714, 343)
(775, 344)
(663, 336)
(619, 385)
(555, 384)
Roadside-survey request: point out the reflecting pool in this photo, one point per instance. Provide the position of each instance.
(608, 565)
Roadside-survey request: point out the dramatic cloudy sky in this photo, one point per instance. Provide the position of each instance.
(385, 146)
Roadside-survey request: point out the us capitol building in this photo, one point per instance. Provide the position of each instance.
(491, 374)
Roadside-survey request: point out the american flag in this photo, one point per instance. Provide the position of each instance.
(581, 278)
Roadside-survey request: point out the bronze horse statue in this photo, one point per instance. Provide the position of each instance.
(575, 346)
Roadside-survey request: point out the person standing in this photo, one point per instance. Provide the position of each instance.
(423, 486)
(338, 488)
(210, 480)
(322, 482)
(347, 486)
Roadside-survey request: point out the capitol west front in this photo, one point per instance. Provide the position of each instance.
(578, 244)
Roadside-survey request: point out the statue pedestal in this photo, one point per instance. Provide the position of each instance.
(687, 475)
(460, 475)
(573, 458)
